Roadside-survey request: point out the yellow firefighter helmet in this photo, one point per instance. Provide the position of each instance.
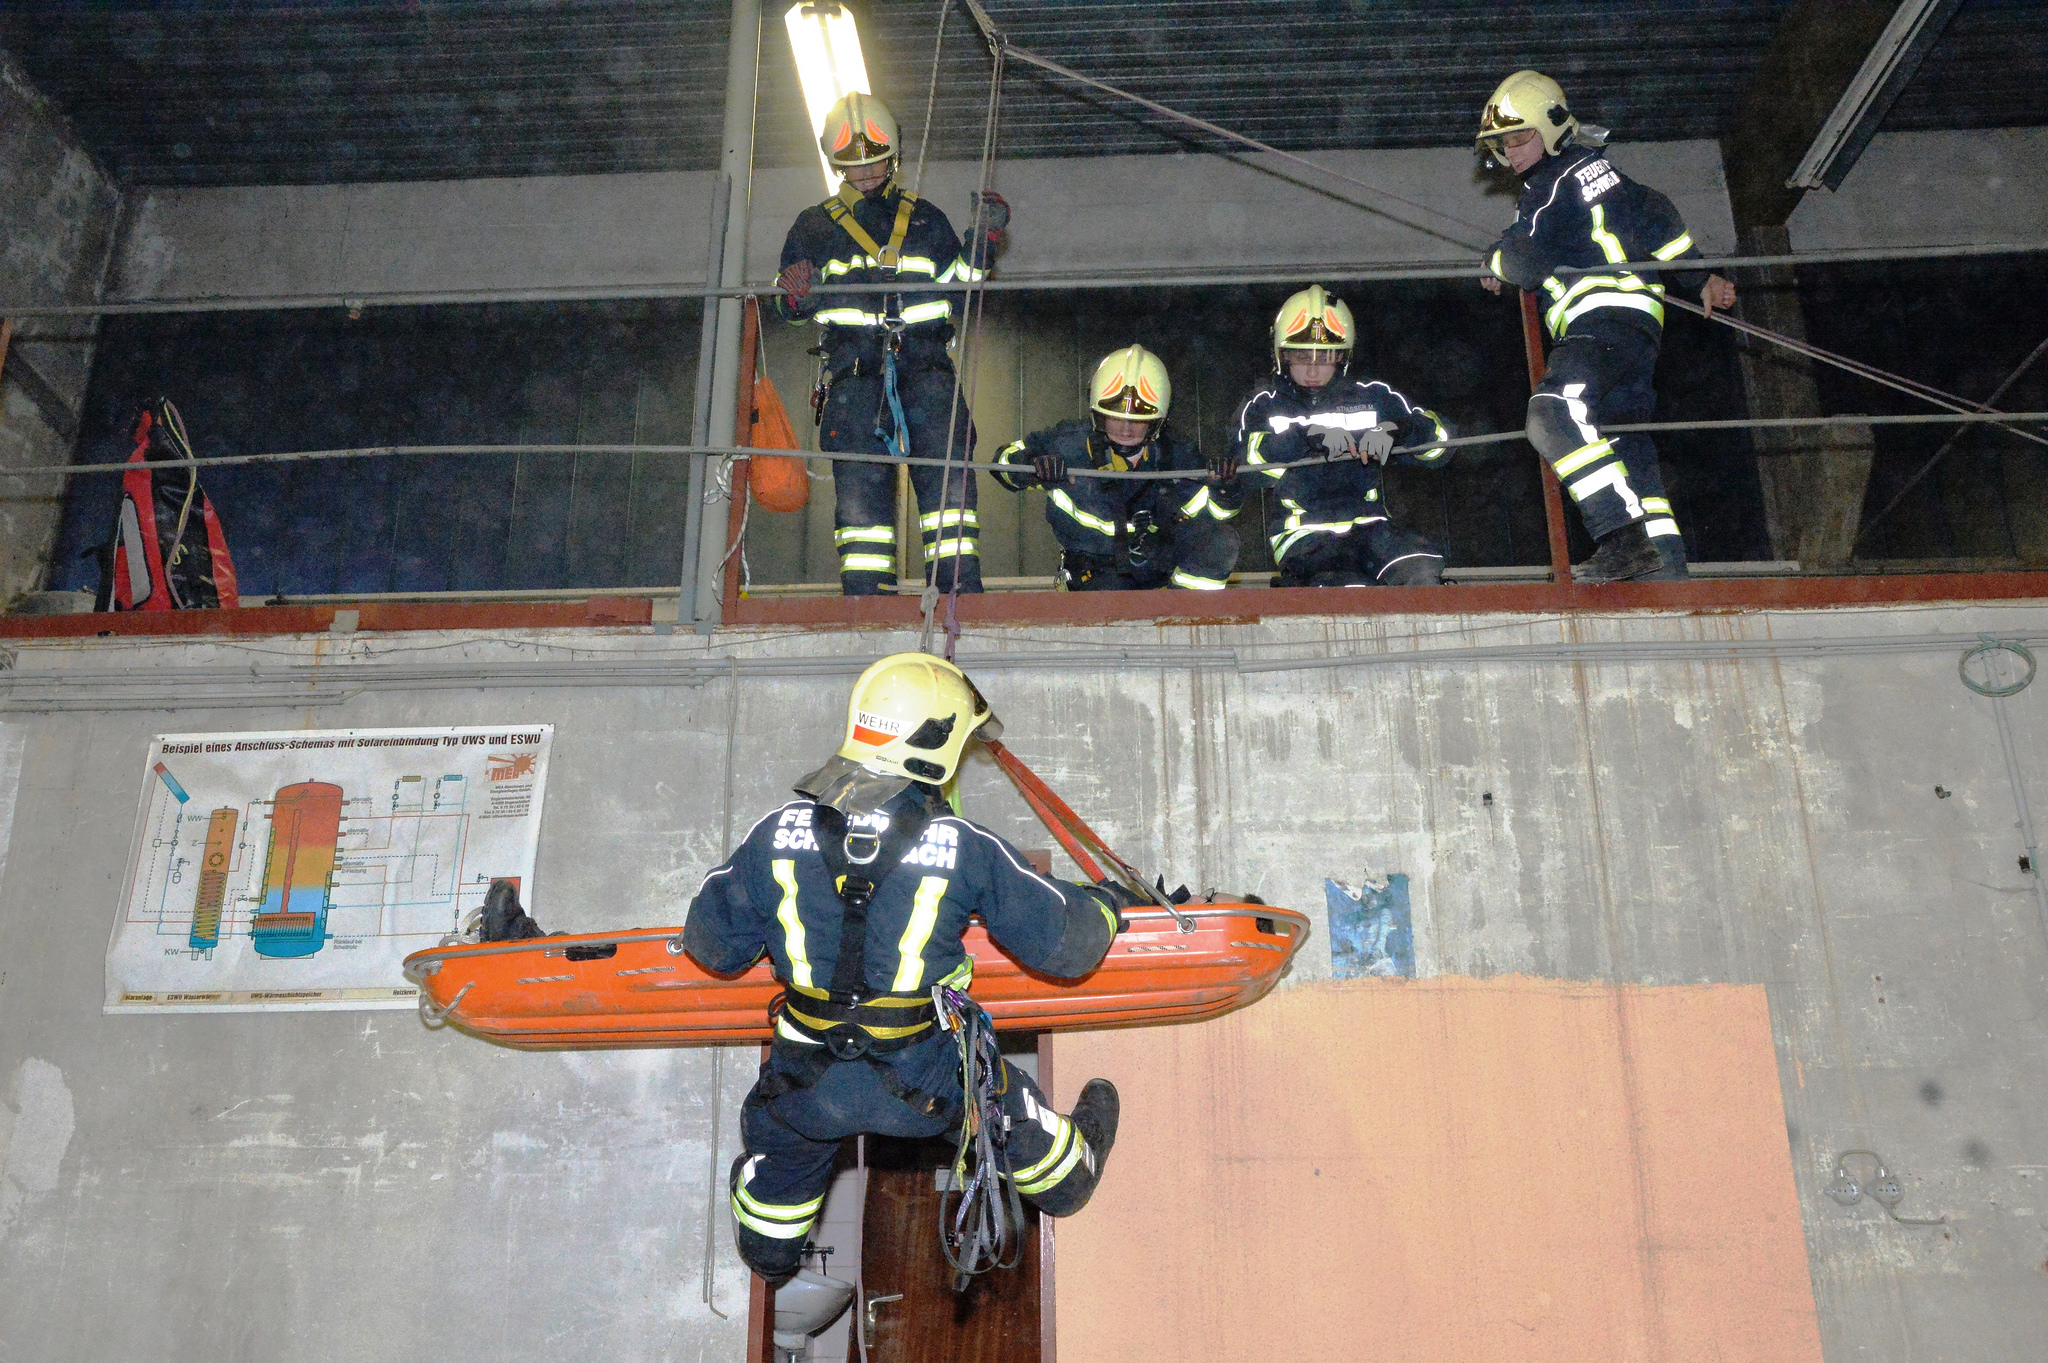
(1314, 320)
(1131, 383)
(911, 714)
(1527, 99)
(859, 130)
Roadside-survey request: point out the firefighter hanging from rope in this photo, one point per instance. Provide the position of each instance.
(860, 893)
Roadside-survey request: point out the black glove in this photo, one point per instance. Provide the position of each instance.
(795, 282)
(995, 210)
(1223, 467)
(1049, 467)
(1119, 898)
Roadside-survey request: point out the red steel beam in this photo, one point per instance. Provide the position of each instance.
(1235, 606)
(1553, 495)
(742, 469)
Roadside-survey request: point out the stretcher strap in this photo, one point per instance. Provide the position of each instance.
(1075, 836)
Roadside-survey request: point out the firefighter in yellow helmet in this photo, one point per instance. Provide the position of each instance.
(1327, 519)
(1581, 234)
(886, 381)
(1128, 533)
(859, 894)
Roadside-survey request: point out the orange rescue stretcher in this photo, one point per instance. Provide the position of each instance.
(1175, 963)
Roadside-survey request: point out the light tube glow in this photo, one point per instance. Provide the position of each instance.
(828, 62)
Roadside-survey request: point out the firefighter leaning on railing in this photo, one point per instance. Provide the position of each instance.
(886, 379)
(1131, 534)
(1578, 212)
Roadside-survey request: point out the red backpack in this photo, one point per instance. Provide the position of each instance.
(169, 552)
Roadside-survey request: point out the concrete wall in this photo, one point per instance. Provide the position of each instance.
(1838, 828)
(1095, 215)
(1934, 189)
(57, 220)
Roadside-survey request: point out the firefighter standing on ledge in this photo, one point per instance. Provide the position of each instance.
(1578, 211)
(888, 379)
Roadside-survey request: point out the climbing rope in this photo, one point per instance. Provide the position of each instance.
(931, 98)
(973, 309)
(1952, 442)
(981, 1218)
(1910, 387)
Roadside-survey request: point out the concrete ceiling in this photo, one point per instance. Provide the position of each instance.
(446, 89)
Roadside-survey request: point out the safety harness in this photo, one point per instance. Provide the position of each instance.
(983, 1229)
(848, 1020)
(841, 206)
(891, 427)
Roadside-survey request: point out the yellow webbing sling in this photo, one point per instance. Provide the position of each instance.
(840, 206)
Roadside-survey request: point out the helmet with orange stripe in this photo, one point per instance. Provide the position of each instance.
(1314, 325)
(859, 131)
(910, 719)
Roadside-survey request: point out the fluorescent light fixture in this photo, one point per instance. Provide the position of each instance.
(828, 62)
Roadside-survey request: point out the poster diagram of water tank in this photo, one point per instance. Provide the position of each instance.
(297, 870)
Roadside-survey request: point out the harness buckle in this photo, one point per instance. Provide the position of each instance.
(869, 839)
(848, 1043)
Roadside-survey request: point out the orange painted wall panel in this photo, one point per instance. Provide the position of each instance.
(1516, 1170)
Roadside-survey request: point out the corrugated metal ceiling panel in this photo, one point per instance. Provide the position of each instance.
(438, 89)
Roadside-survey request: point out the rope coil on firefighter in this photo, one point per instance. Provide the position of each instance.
(1988, 651)
(981, 1218)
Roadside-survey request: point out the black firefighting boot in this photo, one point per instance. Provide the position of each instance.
(1621, 554)
(1670, 560)
(503, 920)
(1095, 1117)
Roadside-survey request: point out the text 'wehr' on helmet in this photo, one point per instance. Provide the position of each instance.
(1315, 321)
(859, 131)
(1131, 384)
(910, 719)
(1527, 99)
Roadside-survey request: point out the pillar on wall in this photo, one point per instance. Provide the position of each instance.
(736, 163)
(1813, 477)
(58, 220)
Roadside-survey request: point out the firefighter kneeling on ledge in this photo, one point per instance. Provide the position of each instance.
(1130, 533)
(1327, 521)
(860, 893)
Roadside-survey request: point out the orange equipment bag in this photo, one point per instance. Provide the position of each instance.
(778, 482)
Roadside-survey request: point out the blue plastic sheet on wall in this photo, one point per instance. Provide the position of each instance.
(1370, 930)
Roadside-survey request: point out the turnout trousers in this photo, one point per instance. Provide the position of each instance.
(778, 1185)
(1196, 553)
(1371, 552)
(857, 416)
(1600, 374)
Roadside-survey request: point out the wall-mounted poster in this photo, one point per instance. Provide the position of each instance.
(297, 870)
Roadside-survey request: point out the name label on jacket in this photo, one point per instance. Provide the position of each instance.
(1596, 178)
(939, 849)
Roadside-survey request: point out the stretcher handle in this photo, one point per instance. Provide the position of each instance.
(434, 1016)
(1076, 836)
